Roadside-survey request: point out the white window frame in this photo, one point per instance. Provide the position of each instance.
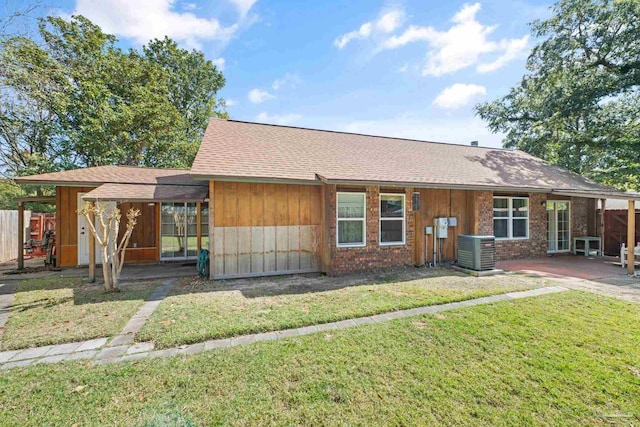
(510, 217)
(363, 219)
(403, 219)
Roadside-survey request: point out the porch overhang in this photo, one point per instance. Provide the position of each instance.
(147, 193)
(598, 194)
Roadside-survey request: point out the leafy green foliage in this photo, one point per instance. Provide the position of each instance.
(579, 104)
(73, 98)
(193, 84)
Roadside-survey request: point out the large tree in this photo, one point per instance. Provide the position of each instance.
(193, 85)
(578, 106)
(71, 97)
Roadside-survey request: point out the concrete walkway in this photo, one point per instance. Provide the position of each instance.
(128, 333)
(98, 351)
(7, 295)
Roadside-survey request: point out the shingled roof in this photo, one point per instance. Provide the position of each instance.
(148, 193)
(243, 150)
(113, 174)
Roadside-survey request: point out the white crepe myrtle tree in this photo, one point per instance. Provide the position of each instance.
(111, 249)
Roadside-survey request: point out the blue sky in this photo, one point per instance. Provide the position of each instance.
(402, 68)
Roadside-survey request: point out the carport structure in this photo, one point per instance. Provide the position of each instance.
(631, 218)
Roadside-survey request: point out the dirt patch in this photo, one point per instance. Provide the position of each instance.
(307, 283)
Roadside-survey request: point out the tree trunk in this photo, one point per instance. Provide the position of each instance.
(106, 271)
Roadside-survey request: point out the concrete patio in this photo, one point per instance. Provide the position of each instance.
(603, 275)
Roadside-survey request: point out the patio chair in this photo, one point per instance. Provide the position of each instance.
(624, 252)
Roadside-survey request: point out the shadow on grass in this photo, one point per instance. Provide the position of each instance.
(309, 283)
(80, 293)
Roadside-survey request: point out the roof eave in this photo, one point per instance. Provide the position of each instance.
(597, 194)
(253, 179)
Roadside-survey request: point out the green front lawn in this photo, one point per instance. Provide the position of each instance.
(59, 310)
(197, 311)
(561, 359)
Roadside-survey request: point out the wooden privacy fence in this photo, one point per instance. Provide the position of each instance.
(9, 233)
(615, 231)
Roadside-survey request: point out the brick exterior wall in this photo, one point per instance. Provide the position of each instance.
(579, 217)
(484, 212)
(372, 256)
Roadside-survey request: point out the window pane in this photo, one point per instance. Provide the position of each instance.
(520, 208)
(172, 246)
(350, 205)
(391, 206)
(500, 228)
(204, 213)
(391, 231)
(500, 208)
(350, 232)
(519, 227)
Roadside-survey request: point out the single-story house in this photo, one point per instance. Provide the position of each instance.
(267, 199)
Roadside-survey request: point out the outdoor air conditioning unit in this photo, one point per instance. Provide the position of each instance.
(477, 252)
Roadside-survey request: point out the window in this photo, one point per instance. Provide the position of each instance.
(204, 225)
(178, 231)
(351, 219)
(392, 219)
(511, 217)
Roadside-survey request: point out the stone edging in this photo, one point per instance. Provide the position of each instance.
(98, 351)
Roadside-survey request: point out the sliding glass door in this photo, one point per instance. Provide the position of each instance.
(178, 231)
(558, 226)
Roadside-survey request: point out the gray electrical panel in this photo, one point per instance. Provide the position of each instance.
(477, 252)
(442, 224)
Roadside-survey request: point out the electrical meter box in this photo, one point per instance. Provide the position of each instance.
(442, 225)
(453, 221)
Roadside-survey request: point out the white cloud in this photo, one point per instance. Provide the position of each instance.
(279, 119)
(461, 45)
(404, 68)
(219, 62)
(459, 130)
(143, 20)
(289, 79)
(386, 23)
(189, 6)
(258, 96)
(513, 49)
(389, 21)
(230, 102)
(243, 6)
(362, 33)
(458, 95)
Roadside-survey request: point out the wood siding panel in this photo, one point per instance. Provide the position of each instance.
(266, 228)
(67, 224)
(145, 234)
(254, 205)
(436, 203)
